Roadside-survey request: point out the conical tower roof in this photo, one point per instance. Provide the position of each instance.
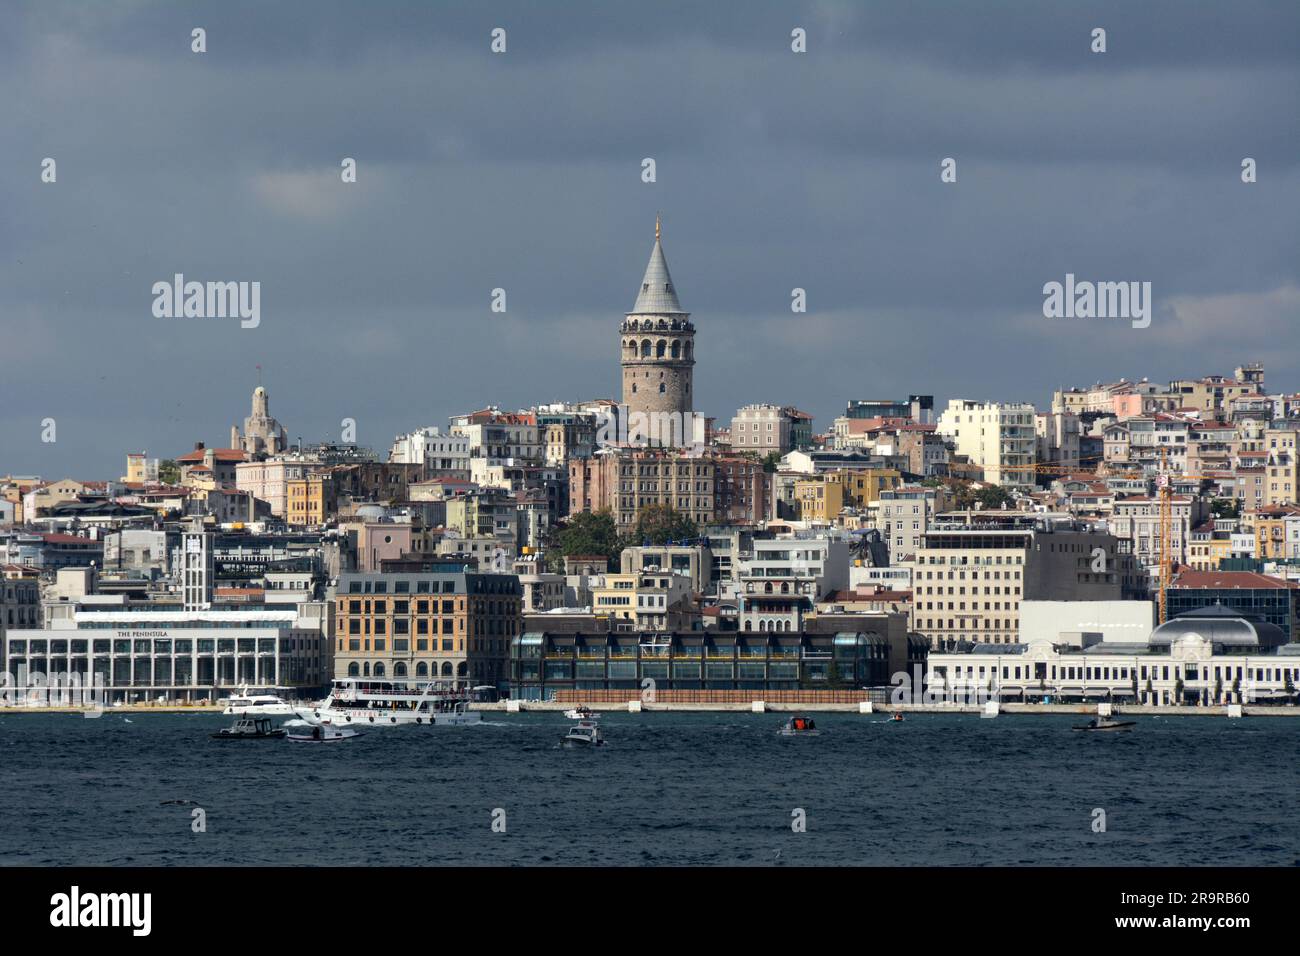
(658, 295)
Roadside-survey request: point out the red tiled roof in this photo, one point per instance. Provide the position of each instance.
(1229, 579)
(220, 454)
(56, 538)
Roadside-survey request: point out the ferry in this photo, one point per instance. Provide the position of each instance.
(369, 700)
(244, 704)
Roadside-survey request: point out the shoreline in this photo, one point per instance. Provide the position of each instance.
(770, 707)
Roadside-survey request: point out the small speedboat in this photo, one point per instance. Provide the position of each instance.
(250, 728)
(896, 718)
(325, 733)
(581, 713)
(583, 734)
(799, 726)
(1105, 723)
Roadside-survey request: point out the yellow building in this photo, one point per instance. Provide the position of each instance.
(644, 601)
(861, 488)
(1215, 393)
(819, 499)
(309, 501)
(1269, 526)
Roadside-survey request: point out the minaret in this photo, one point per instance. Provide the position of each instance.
(658, 344)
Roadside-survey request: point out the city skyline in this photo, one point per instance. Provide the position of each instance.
(526, 175)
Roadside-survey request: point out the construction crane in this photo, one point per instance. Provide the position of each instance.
(1165, 553)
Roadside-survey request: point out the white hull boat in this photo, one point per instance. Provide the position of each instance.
(244, 704)
(389, 703)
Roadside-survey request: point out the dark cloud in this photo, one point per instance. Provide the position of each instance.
(522, 171)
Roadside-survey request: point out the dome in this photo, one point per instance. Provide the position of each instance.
(1220, 626)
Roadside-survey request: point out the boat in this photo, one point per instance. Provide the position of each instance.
(244, 704)
(585, 733)
(581, 713)
(896, 718)
(1105, 723)
(799, 726)
(250, 728)
(366, 700)
(325, 733)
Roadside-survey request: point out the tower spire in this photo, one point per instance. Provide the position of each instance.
(656, 227)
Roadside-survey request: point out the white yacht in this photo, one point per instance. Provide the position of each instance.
(244, 704)
(370, 700)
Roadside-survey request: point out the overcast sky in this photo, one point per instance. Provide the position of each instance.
(775, 170)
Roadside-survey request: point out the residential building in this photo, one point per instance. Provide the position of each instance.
(997, 437)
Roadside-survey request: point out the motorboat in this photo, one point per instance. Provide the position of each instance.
(1105, 723)
(325, 733)
(585, 733)
(896, 718)
(799, 726)
(581, 713)
(244, 704)
(250, 728)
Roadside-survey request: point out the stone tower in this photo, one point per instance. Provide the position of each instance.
(263, 435)
(658, 345)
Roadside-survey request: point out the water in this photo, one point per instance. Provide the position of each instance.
(670, 789)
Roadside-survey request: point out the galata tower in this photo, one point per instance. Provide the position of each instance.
(658, 343)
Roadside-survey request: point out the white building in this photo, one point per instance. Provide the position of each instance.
(762, 429)
(446, 455)
(783, 578)
(998, 437)
(1208, 657)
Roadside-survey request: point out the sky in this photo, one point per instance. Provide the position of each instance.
(522, 170)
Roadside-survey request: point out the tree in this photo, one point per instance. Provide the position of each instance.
(771, 461)
(992, 497)
(169, 473)
(659, 524)
(1225, 508)
(590, 532)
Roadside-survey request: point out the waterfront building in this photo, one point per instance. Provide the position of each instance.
(450, 624)
(544, 663)
(176, 654)
(1270, 599)
(1212, 655)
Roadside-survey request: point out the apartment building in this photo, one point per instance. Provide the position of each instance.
(450, 624)
(999, 438)
(624, 482)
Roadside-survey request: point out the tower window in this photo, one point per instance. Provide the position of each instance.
(661, 388)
